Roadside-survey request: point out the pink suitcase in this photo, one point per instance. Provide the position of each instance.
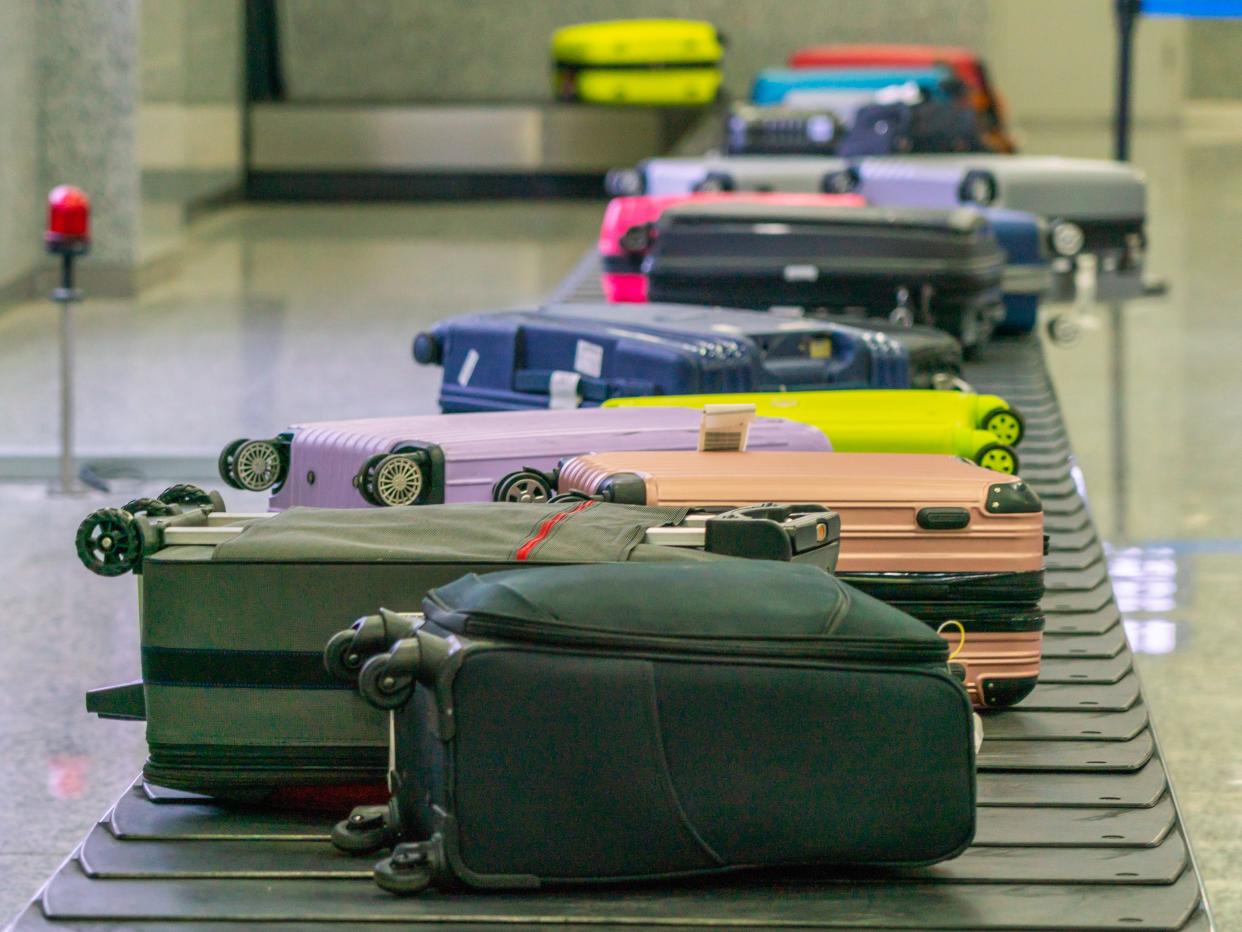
(459, 457)
(627, 231)
(939, 537)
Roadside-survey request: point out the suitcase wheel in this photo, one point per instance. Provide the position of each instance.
(251, 465)
(185, 494)
(1005, 424)
(152, 507)
(427, 350)
(109, 542)
(407, 871)
(525, 485)
(389, 480)
(978, 187)
(998, 457)
(623, 182)
(716, 181)
(1066, 238)
(1063, 329)
(381, 687)
(367, 829)
(340, 658)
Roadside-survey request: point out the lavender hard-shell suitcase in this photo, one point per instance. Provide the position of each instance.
(680, 175)
(1091, 205)
(437, 458)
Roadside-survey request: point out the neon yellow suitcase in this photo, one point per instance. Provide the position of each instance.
(650, 62)
(980, 428)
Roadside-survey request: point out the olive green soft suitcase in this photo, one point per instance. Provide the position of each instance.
(235, 610)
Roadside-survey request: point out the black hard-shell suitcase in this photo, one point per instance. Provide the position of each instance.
(781, 130)
(939, 267)
(616, 723)
(903, 128)
(235, 610)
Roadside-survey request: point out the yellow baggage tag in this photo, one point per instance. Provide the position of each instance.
(820, 348)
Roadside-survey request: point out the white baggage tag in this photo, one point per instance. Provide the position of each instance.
(725, 428)
(563, 390)
(467, 367)
(589, 358)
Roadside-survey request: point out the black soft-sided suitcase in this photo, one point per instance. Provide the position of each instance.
(939, 267)
(617, 722)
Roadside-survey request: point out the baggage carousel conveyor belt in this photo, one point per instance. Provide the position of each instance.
(1078, 824)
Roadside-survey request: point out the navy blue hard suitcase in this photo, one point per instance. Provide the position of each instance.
(575, 355)
(1028, 265)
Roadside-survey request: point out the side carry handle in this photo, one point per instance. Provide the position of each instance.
(387, 680)
(803, 533)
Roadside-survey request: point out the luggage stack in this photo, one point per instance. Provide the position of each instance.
(716, 564)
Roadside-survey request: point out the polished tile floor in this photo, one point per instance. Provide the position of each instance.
(305, 312)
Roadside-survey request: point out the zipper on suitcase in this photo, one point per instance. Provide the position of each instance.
(808, 648)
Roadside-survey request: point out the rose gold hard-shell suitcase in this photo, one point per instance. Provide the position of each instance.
(943, 539)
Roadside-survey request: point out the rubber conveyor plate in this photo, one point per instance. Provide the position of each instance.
(1078, 827)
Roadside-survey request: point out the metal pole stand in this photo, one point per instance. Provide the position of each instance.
(65, 296)
(1127, 15)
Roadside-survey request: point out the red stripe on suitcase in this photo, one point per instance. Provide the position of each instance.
(545, 529)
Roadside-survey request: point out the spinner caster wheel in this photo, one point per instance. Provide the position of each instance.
(525, 485)
(405, 872)
(381, 688)
(252, 465)
(1005, 424)
(999, 458)
(390, 480)
(185, 494)
(366, 830)
(1064, 330)
(109, 542)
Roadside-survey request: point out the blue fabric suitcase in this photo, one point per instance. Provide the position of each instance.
(773, 85)
(580, 355)
(1028, 265)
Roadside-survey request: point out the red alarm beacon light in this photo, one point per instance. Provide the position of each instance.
(68, 220)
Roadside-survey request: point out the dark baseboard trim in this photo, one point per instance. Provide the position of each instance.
(419, 186)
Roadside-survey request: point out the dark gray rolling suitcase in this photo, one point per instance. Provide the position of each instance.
(618, 722)
(235, 610)
(938, 267)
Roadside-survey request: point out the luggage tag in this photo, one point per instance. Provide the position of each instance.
(563, 390)
(725, 428)
(975, 719)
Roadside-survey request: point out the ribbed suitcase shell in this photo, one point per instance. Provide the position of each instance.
(878, 496)
(888, 421)
(1107, 200)
(684, 175)
(773, 85)
(968, 67)
(480, 448)
(653, 62)
(627, 218)
(506, 360)
(762, 255)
